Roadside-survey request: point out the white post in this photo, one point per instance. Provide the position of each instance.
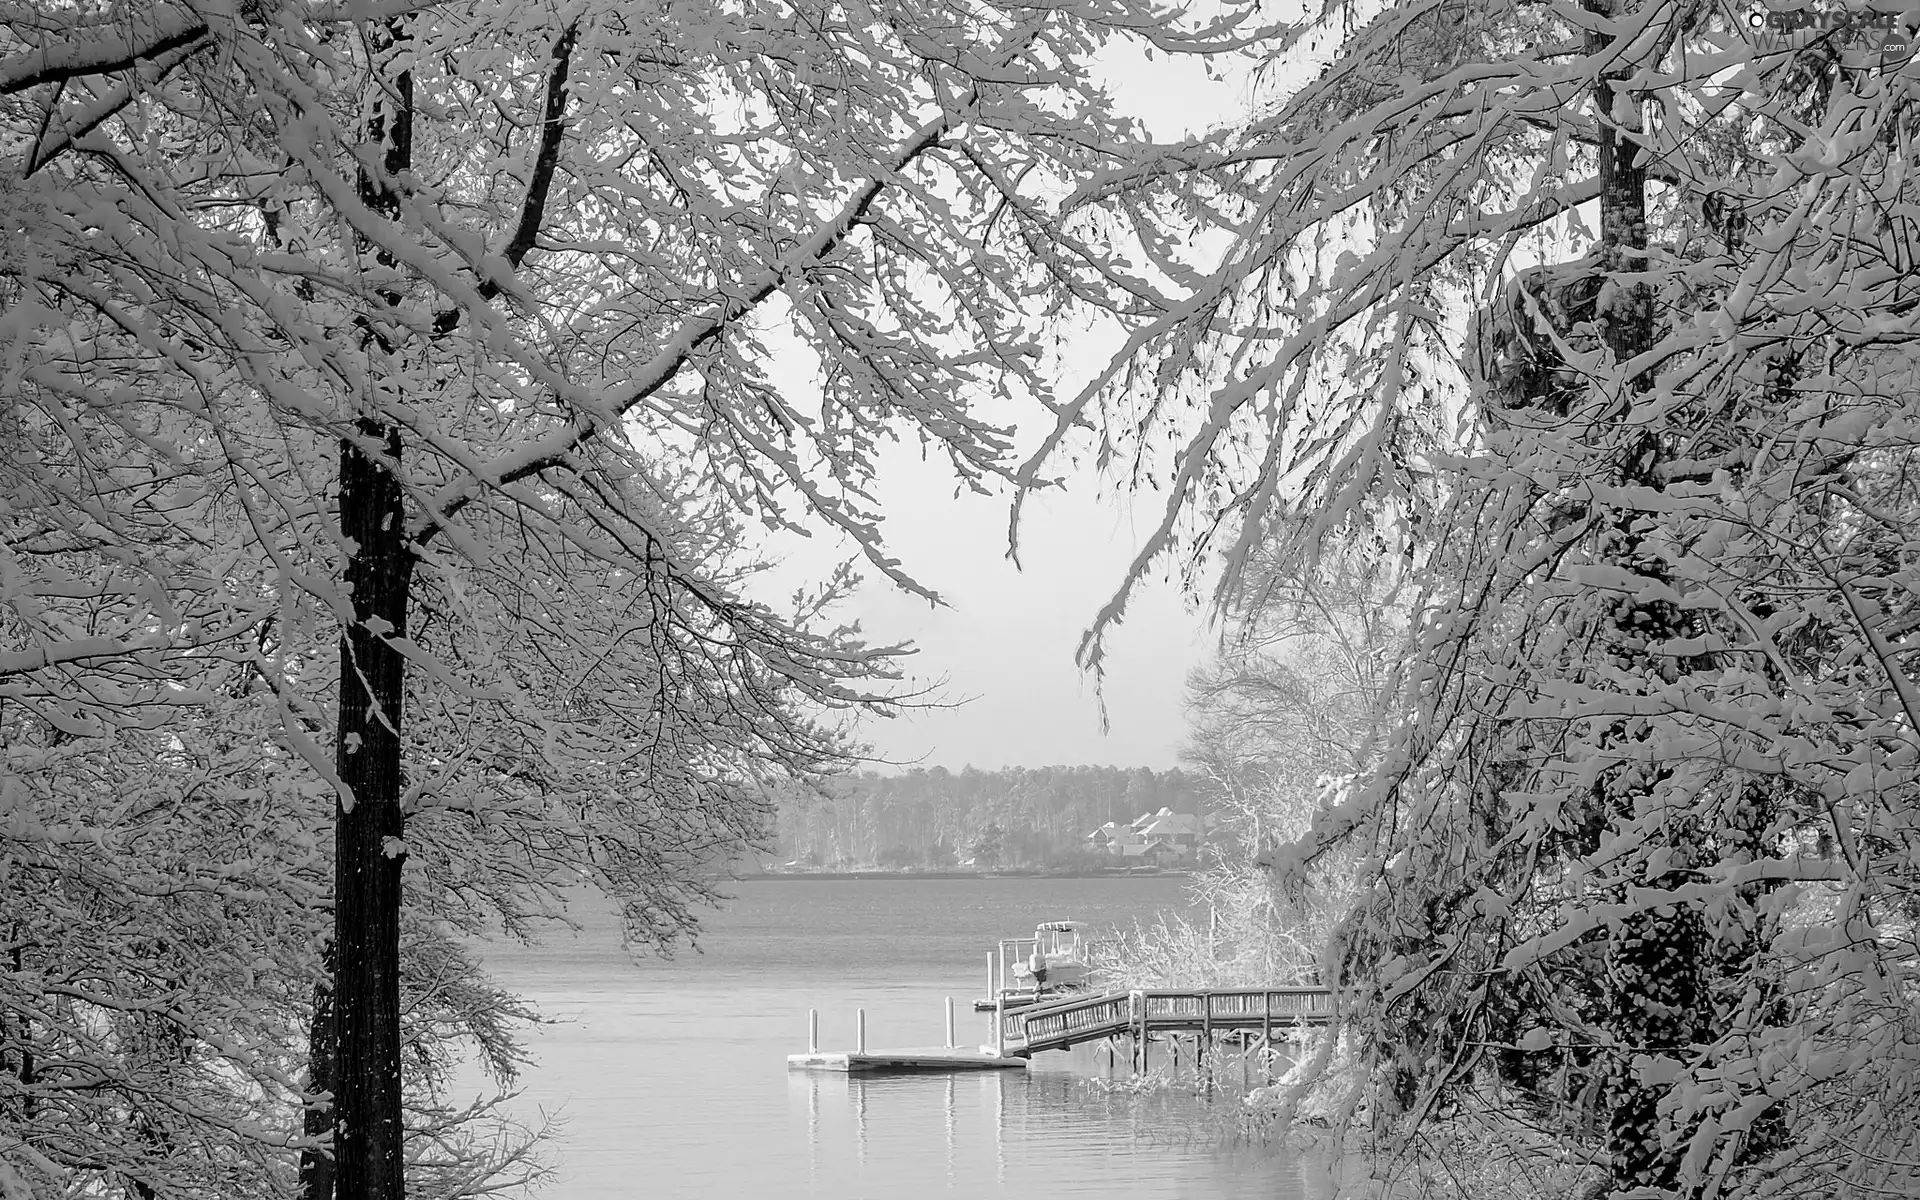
(949, 1022)
(990, 988)
(1000, 1023)
(860, 1031)
(813, 1031)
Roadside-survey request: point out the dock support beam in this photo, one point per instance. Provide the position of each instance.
(1205, 1043)
(1266, 1039)
(1140, 1005)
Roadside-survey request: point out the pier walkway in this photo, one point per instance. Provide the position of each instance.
(1139, 1014)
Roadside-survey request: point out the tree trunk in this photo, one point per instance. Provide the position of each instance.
(368, 848)
(1627, 322)
(369, 1151)
(1654, 988)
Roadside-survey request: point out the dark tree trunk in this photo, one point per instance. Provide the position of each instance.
(368, 1142)
(316, 1161)
(1655, 993)
(1626, 323)
(369, 1151)
(367, 834)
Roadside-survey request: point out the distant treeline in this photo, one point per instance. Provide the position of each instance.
(933, 817)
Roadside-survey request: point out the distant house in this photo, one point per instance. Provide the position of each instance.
(1107, 838)
(1165, 837)
(1181, 830)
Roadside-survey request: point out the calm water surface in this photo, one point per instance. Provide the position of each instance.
(669, 1079)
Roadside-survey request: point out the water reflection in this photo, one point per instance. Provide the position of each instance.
(1000, 1130)
(947, 1110)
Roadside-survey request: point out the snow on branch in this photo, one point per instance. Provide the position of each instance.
(103, 51)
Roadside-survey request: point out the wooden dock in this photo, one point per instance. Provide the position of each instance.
(1136, 1016)
(950, 1057)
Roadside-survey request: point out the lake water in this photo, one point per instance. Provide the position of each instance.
(669, 1078)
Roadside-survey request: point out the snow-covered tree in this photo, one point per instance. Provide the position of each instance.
(164, 896)
(408, 370)
(1287, 709)
(1598, 316)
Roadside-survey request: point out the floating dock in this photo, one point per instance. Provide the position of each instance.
(931, 1058)
(950, 1057)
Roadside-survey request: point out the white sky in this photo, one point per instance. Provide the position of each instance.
(1001, 653)
(1004, 644)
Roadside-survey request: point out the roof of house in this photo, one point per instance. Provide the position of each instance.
(1171, 824)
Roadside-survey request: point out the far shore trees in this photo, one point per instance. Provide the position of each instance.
(400, 373)
(927, 816)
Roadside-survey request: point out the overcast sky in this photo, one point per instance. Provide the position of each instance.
(1001, 652)
(1004, 644)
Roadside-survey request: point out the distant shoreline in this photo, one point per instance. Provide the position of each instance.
(1036, 874)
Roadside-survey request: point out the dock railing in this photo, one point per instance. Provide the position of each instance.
(1061, 1024)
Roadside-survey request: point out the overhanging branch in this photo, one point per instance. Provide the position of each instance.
(99, 55)
(551, 449)
(533, 208)
(55, 142)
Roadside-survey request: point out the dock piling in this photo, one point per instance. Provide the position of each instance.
(860, 1031)
(1266, 1038)
(813, 1031)
(949, 1022)
(1204, 1043)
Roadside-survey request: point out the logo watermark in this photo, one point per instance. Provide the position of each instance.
(1864, 38)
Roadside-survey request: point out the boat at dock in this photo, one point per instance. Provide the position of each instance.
(1055, 962)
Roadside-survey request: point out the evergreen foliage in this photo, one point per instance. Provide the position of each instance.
(1593, 321)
